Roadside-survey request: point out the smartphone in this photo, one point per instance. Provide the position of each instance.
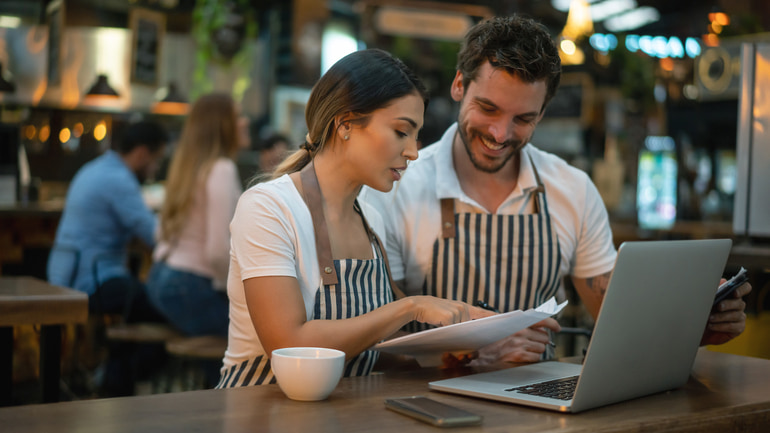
(432, 411)
(730, 285)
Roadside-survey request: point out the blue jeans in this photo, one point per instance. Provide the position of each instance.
(188, 301)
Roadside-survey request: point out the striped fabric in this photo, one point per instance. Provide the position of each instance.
(493, 252)
(363, 286)
(510, 262)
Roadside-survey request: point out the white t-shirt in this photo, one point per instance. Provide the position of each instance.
(413, 211)
(203, 247)
(272, 235)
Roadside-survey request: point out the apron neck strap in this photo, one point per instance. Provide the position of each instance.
(448, 206)
(311, 193)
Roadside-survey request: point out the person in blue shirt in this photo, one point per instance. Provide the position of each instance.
(103, 213)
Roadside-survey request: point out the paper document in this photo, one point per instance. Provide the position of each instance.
(428, 346)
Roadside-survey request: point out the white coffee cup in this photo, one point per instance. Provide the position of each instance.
(307, 373)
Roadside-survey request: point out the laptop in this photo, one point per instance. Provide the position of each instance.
(644, 340)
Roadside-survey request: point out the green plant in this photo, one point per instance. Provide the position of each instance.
(221, 29)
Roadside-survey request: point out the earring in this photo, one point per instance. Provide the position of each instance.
(347, 137)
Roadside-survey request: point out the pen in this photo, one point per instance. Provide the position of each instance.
(486, 306)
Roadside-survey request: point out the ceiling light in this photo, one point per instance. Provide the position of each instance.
(101, 89)
(632, 19)
(9, 21)
(606, 9)
(174, 103)
(578, 21)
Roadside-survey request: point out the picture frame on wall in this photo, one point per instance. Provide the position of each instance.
(288, 113)
(148, 29)
(574, 99)
(54, 13)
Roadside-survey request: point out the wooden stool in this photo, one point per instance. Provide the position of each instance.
(146, 333)
(192, 353)
(203, 347)
(141, 332)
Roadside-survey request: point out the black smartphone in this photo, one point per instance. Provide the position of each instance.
(730, 285)
(432, 411)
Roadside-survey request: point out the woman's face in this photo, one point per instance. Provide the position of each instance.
(380, 149)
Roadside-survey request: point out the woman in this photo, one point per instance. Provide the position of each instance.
(187, 282)
(306, 268)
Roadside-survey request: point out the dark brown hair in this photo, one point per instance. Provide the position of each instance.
(521, 46)
(359, 84)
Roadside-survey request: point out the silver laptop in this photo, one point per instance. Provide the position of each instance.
(644, 340)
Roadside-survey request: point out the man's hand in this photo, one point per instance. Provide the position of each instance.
(727, 319)
(526, 345)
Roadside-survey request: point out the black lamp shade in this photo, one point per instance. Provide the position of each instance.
(174, 103)
(102, 88)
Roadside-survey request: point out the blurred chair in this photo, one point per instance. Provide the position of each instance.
(197, 360)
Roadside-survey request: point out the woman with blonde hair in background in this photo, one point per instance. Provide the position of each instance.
(187, 281)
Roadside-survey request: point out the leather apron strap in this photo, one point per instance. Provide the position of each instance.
(448, 206)
(311, 193)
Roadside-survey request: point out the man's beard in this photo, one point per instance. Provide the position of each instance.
(493, 166)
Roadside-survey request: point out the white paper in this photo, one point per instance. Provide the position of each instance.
(428, 346)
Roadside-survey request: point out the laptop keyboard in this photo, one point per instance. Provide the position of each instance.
(561, 389)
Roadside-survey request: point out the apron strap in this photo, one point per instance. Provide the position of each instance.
(447, 218)
(397, 293)
(448, 206)
(311, 192)
(540, 187)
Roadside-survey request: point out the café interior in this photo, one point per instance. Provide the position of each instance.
(662, 103)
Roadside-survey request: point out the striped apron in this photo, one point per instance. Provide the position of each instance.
(365, 285)
(510, 262)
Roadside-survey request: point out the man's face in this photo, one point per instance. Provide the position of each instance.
(150, 163)
(498, 115)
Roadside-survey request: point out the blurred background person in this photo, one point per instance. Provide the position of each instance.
(272, 150)
(104, 211)
(187, 281)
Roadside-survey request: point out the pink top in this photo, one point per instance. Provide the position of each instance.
(204, 245)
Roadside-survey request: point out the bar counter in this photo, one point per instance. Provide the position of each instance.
(725, 393)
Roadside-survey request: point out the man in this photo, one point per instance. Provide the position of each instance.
(104, 211)
(484, 216)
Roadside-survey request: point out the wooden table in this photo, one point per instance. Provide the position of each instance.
(31, 301)
(725, 393)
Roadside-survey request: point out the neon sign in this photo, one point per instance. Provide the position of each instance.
(653, 46)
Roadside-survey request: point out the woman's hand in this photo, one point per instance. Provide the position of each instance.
(442, 312)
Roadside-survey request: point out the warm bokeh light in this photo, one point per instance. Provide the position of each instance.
(171, 108)
(30, 131)
(711, 40)
(77, 130)
(64, 135)
(667, 64)
(720, 18)
(567, 46)
(100, 131)
(579, 21)
(45, 131)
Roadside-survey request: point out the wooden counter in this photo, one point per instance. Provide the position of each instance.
(725, 393)
(30, 301)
